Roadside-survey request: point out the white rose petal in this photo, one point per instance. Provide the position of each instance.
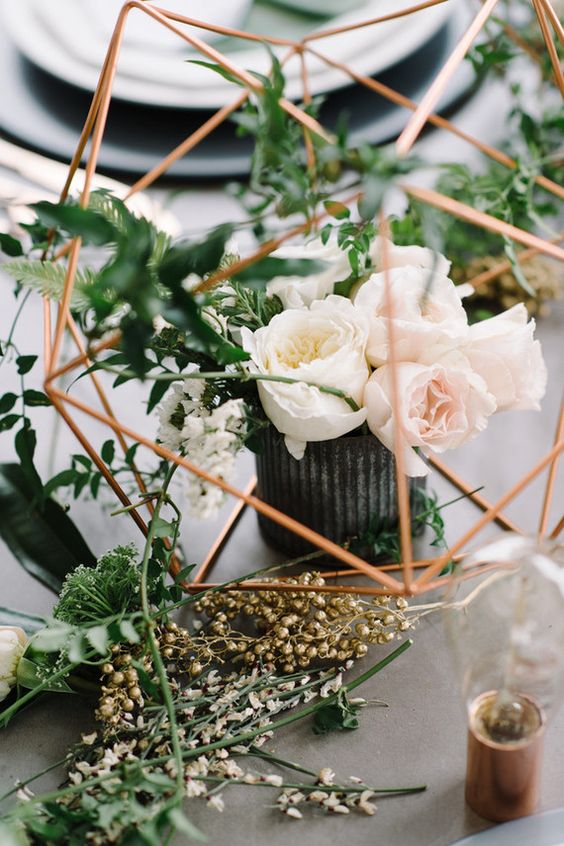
(300, 292)
(441, 406)
(428, 317)
(409, 256)
(324, 345)
(503, 351)
(13, 640)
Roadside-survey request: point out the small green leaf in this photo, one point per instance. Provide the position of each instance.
(182, 824)
(8, 422)
(61, 480)
(92, 227)
(129, 631)
(97, 636)
(217, 69)
(10, 246)
(158, 391)
(162, 528)
(30, 675)
(24, 363)
(7, 402)
(184, 573)
(336, 715)
(108, 451)
(35, 398)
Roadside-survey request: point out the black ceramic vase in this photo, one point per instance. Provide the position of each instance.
(341, 488)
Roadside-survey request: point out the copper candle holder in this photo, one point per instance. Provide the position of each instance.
(503, 774)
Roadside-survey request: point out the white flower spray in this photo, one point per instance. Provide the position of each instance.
(210, 438)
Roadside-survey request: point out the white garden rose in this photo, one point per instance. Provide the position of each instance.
(507, 357)
(441, 406)
(12, 644)
(428, 316)
(409, 256)
(300, 292)
(325, 345)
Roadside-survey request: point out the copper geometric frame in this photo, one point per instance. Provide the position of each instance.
(423, 113)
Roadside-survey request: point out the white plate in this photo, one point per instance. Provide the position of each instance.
(67, 47)
(545, 829)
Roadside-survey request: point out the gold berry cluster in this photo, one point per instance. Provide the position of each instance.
(504, 291)
(121, 695)
(292, 629)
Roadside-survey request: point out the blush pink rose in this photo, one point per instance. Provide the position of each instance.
(441, 406)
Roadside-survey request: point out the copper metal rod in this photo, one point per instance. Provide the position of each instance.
(109, 343)
(284, 587)
(225, 533)
(310, 151)
(554, 20)
(55, 395)
(106, 405)
(100, 123)
(435, 119)
(246, 78)
(88, 125)
(485, 221)
(185, 146)
(486, 518)
(337, 30)
(260, 506)
(46, 334)
(557, 529)
(401, 479)
(504, 266)
(418, 119)
(472, 495)
(265, 249)
(551, 476)
(225, 30)
(554, 60)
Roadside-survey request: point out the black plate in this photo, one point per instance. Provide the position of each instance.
(45, 114)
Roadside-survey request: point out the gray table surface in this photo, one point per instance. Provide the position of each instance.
(420, 737)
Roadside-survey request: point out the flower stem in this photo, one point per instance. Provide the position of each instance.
(242, 377)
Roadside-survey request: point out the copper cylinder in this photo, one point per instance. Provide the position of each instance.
(503, 779)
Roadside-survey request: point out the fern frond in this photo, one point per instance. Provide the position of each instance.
(48, 279)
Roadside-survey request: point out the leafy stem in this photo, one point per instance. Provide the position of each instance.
(158, 663)
(240, 376)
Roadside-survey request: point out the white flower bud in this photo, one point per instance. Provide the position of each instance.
(12, 644)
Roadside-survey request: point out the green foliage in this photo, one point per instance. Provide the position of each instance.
(48, 279)
(246, 306)
(383, 538)
(40, 535)
(336, 715)
(10, 246)
(111, 587)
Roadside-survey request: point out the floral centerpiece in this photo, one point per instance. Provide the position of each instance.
(319, 361)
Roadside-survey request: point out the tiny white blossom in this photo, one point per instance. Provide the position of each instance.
(325, 776)
(331, 686)
(366, 806)
(216, 802)
(276, 780)
(12, 644)
(195, 788)
(294, 813)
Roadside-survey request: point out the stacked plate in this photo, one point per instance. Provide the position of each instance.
(51, 52)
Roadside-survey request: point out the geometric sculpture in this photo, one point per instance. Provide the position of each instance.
(414, 576)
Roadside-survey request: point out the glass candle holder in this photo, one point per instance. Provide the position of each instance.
(506, 629)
